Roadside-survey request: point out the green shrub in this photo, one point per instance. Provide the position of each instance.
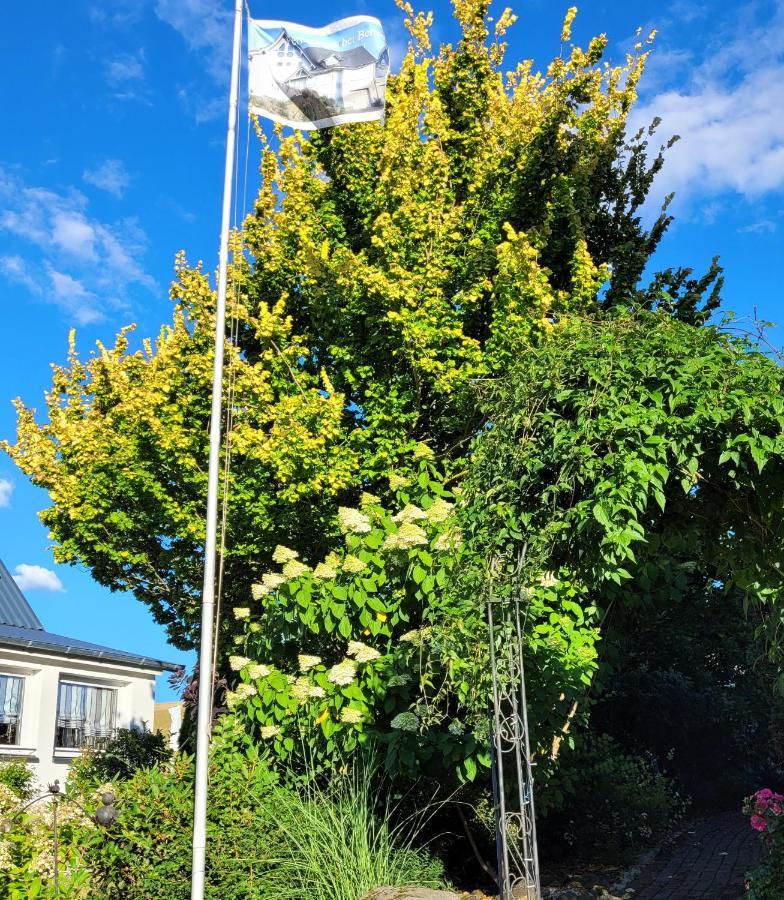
(614, 803)
(146, 854)
(265, 841)
(19, 778)
(126, 753)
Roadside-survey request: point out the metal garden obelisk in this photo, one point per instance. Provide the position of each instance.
(208, 590)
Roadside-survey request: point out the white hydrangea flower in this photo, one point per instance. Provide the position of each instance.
(342, 673)
(272, 580)
(449, 540)
(306, 661)
(350, 716)
(258, 591)
(241, 612)
(294, 568)
(369, 500)
(300, 690)
(269, 731)
(416, 636)
(282, 554)
(361, 652)
(324, 572)
(317, 691)
(397, 482)
(439, 511)
(238, 662)
(244, 691)
(410, 513)
(352, 521)
(408, 535)
(353, 564)
(258, 670)
(231, 699)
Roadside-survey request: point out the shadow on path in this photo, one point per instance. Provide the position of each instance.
(707, 861)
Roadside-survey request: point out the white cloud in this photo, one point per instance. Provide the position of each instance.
(110, 176)
(764, 226)
(205, 27)
(732, 139)
(71, 295)
(124, 68)
(73, 234)
(6, 489)
(32, 578)
(117, 12)
(65, 255)
(15, 270)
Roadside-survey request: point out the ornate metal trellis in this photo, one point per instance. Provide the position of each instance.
(513, 794)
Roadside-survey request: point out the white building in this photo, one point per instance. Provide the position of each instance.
(59, 695)
(353, 79)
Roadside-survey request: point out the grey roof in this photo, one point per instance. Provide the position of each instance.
(35, 639)
(14, 608)
(20, 627)
(345, 59)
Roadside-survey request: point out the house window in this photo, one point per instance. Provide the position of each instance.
(285, 51)
(86, 716)
(11, 687)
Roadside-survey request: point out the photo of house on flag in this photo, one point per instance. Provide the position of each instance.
(317, 77)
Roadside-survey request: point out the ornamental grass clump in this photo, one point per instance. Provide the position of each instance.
(338, 843)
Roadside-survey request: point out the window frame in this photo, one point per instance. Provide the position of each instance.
(20, 711)
(84, 743)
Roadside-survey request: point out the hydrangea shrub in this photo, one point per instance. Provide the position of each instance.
(383, 641)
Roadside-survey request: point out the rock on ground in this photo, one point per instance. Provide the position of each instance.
(408, 893)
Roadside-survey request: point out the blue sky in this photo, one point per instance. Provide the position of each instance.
(112, 156)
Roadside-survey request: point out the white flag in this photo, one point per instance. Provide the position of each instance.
(317, 77)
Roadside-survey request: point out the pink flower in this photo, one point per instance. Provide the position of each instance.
(776, 807)
(758, 823)
(764, 794)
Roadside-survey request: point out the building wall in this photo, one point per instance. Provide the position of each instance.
(168, 720)
(42, 674)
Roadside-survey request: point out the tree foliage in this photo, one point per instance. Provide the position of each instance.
(640, 458)
(382, 271)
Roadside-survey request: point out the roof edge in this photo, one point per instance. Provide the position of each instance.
(118, 657)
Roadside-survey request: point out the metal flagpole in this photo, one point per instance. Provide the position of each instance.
(208, 591)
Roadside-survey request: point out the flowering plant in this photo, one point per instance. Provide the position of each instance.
(381, 641)
(765, 807)
(766, 811)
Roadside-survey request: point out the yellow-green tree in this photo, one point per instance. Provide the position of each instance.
(382, 271)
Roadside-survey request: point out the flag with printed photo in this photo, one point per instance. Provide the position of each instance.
(312, 78)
